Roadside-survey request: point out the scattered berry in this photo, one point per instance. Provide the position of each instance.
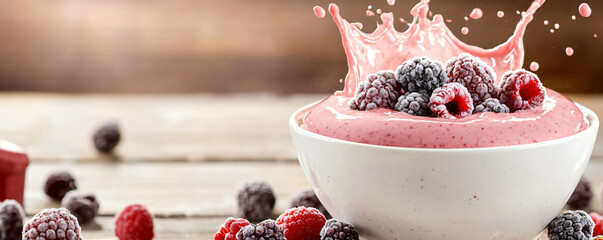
(598, 220)
(574, 225)
(53, 223)
(266, 230)
(335, 230)
(11, 220)
(83, 206)
(521, 89)
(255, 201)
(134, 223)
(451, 101)
(307, 198)
(380, 90)
(491, 105)
(107, 137)
(230, 228)
(301, 223)
(58, 184)
(475, 75)
(414, 103)
(421, 75)
(582, 195)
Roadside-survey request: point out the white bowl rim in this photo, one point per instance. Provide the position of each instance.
(591, 117)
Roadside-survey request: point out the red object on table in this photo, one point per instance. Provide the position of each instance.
(13, 163)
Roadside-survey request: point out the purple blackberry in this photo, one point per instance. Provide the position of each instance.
(571, 225)
(58, 184)
(255, 201)
(335, 230)
(266, 230)
(52, 223)
(582, 195)
(421, 75)
(307, 198)
(83, 206)
(475, 75)
(107, 137)
(414, 103)
(11, 220)
(491, 105)
(380, 90)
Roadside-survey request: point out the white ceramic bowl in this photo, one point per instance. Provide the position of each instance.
(390, 193)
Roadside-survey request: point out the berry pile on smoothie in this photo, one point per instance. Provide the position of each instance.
(424, 88)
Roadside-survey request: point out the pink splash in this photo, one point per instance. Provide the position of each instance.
(464, 30)
(319, 11)
(534, 66)
(391, 2)
(585, 10)
(569, 51)
(500, 14)
(477, 13)
(369, 13)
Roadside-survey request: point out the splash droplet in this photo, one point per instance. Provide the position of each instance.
(448, 20)
(573, 17)
(319, 11)
(391, 2)
(569, 51)
(595, 35)
(534, 66)
(466, 18)
(379, 11)
(518, 12)
(477, 13)
(552, 30)
(585, 10)
(546, 22)
(556, 25)
(370, 7)
(500, 14)
(369, 13)
(464, 30)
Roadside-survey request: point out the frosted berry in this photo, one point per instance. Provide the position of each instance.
(571, 225)
(83, 206)
(301, 223)
(230, 228)
(11, 220)
(582, 195)
(266, 230)
(53, 224)
(521, 90)
(475, 75)
(380, 90)
(134, 223)
(335, 230)
(58, 184)
(421, 75)
(308, 198)
(598, 220)
(451, 101)
(107, 137)
(491, 105)
(414, 103)
(255, 201)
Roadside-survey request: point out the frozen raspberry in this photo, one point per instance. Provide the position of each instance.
(414, 103)
(83, 206)
(421, 75)
(380, 90)
(574, 225)
(53, 223)
(107, 137)
(451, 101)
(475, 75)
(491, 105)
(134, 223)
(335, 230)
(598, 220)
(11, 220)
(230, 228)
(58, 184)
(266, 230)
(301, 223)
(521, 89)
(307, 198)
(255, 201)
(582, 195)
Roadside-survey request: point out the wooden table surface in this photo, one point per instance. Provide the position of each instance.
(182, 156)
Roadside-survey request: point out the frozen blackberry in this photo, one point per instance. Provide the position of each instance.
(571, 225)
(83, 206)
(451, 101)
(107, 137)
(308, 198)
(421, 75)
(491, 105)
(414, 103)
(380, 90)
(11, 220)
(255, 201)
(336, 230)
(521, 90)
(52, 223)
(582, 195)
(266, 230)
(475, 75)
(58, 184)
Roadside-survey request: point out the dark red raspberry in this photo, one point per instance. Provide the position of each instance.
(521, 90)
(134, 223)
(451, 101)
(58, 184)
(301, 223)
(582, 195)
(266, 230)
(11, 220)
(255, 201)
(230, 228)
(380, 90)
(83, 206)
(307, 198)
(107, 137)
(334, 229)
(598, 230)
(475, 75)
(53, 224)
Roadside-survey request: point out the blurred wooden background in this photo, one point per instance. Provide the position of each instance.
(239, 46)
